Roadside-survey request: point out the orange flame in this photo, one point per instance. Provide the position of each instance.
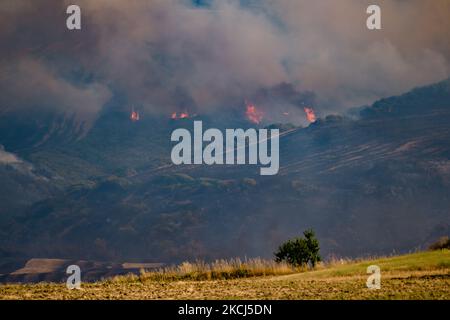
(134, 116)
(181, 115)
(310, 115)
(253, 114)
(184, 115)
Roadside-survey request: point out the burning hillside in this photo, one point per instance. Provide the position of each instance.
(134, 116)
(253, 114)
(310, 115)
(180, 115)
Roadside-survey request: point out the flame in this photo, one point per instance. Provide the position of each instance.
(310, 115)
(134, 116)
(253, 114)
(181, 115)
(184, 115)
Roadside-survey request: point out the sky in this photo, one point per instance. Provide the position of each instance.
(205, 55)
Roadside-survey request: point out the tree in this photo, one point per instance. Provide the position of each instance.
(300, 251)
(441, 244)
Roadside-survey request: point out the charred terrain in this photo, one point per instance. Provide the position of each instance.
(370, 184)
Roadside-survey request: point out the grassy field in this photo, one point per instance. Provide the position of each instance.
(424, 275)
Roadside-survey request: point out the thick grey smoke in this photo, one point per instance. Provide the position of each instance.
(8, 157)
(168, 55)
(30, 83)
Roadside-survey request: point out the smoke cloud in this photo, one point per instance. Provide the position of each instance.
(8, 157)
(170, 55)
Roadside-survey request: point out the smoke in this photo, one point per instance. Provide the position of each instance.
(14, 162)
(8, 157)
(32, 84)
(174, 55)
(333, 53)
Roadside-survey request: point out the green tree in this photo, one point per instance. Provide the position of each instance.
(300, 251)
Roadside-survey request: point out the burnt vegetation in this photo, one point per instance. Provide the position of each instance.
(367, 186)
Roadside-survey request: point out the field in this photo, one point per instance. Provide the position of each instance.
(424, 275)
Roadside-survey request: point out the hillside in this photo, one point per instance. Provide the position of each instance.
(424, 275)
(368, 186)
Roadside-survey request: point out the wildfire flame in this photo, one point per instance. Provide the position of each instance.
(181, 115)
(253, 114)
(184, 115)
(310, 115)
(134, 116)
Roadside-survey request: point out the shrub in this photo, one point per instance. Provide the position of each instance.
(300, 252)
(442, 243)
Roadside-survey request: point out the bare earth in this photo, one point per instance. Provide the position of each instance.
(404, 285)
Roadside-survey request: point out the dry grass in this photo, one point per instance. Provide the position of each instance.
(423, 275)
(217, 270)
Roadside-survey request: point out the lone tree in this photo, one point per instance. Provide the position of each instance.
(300, 251)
